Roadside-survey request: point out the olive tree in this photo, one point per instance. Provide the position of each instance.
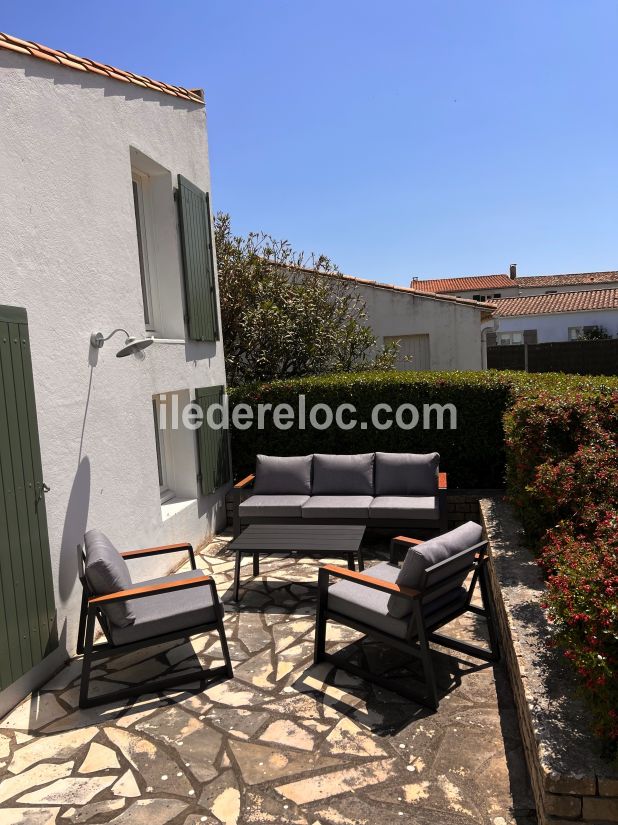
(285, 314)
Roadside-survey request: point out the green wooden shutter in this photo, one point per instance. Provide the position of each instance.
(27, 612)
(197, 262)
(213, 445)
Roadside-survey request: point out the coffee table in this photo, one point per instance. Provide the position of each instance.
(316, 540)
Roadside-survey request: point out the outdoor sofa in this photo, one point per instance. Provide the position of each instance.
(375, 489)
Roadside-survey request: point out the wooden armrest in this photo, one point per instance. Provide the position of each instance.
(244, 482)
(406, 540)
(370, 581)
(155, 551)
(149, 590)
(442, 481)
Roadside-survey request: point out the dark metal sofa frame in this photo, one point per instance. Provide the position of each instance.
(416, 643)
(244, 488)
(91, 610)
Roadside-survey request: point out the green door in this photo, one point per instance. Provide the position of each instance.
(27, 610)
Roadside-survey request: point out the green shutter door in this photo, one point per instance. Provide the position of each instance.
(213, 445)
(197, 262)
(27, 611)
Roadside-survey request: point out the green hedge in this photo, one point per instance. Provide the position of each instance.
(473, 454)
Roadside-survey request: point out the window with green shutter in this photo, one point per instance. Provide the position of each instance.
(213, 445)
(197, 262)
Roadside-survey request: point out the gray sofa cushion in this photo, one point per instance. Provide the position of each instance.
(407, 474)
(107, 572)
(337, 507)
(343, 475)
(289, 475)
(370, 606)
(275, 506)
(405, 507)
(167, 612)
(420, 557)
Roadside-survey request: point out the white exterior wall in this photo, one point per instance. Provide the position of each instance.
(556, 327)
(68, 254)
(454, 329)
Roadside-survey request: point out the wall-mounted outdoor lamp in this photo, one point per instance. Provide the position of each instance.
(131, 345)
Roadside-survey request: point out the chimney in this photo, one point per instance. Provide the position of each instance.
(414, 281)
(513, 272)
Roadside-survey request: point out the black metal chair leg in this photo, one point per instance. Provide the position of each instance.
(361, 561)
(256, 564)
(224, 648)
(351, 561)
(81, 631)
(87, 661)
(426, 660)
(488, 604)
(320, 618)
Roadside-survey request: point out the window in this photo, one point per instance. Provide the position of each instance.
(497, 294)
(479, 298)
(164, 455)
(576, 333)
(551, 291)
(141, 204)
(507, 338)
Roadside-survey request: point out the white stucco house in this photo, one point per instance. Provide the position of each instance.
(563, 316)
(105, 224)
(435, 332)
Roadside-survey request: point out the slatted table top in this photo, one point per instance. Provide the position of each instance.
(316, 538)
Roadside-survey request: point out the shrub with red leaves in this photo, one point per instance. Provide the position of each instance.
(562, 470)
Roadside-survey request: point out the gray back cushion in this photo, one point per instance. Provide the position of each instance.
(407, 474)
(107, 572)
(283, 475)
(420, 557)
(343, 475)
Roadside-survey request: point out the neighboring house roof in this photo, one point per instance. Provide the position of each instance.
(482, 305)
(568, 280)
(583, 301)
(502, 281)
(463, 284)
(84, 64)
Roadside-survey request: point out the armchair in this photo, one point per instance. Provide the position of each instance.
(136, 615)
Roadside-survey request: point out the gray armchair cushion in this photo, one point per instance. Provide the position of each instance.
(371, 607)
(405, 507)
(107, 572)
(289, 475)
(274, 506)
(167, 612)
(337, 507)
(407, 474)
(425, 555)
(343, 475)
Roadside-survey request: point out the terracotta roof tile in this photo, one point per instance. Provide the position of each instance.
(582, 301)
(573, 279)
(462, 284)
(482, 305)
(84, 64)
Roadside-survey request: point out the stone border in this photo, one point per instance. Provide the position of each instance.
(570, 781)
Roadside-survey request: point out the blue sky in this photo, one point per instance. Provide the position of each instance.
(400, 138)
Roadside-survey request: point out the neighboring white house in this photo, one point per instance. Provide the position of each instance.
(563, 316)
(435, 332)
(95, 164)
(493, 287)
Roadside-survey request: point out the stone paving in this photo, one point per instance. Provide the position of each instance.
(284, 742)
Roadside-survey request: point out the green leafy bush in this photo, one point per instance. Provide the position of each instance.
(473, 454)
(563, 478)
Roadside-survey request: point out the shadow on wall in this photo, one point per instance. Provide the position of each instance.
(75, 522)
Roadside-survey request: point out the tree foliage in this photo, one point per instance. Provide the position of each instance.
(285, 314)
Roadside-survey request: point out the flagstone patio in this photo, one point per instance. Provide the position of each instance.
(284, 742)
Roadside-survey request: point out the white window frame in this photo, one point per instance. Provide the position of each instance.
(576, 333)
(507, 338)
(140, 184)
(164, 455)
